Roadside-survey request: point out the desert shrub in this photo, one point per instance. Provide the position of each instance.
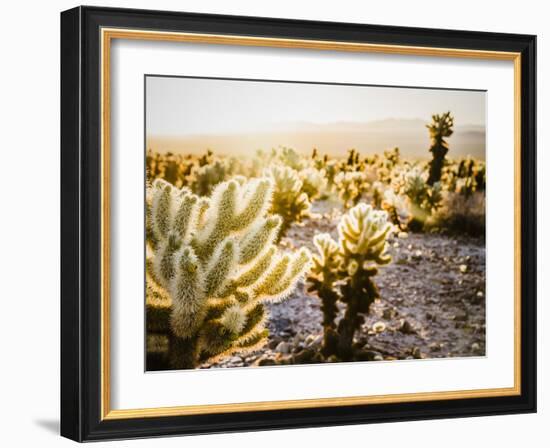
(461, 213)
(289, 201)
(211, 267)
(344, 270)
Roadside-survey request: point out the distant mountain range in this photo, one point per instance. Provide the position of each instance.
(411, 136)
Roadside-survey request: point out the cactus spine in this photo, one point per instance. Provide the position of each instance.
(213, 264)
(344, 271)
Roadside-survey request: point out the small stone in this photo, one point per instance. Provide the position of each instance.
(405, 327)
(402, 235)
(475, 347)
(283, 347)
(265, 362)
(463, 268)
(415, 352)
(461, 317)
(236, 360)
(379, 327)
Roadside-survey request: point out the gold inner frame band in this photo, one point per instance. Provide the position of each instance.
(107, 35)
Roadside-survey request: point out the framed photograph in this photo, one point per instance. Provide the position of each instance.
(273, 223)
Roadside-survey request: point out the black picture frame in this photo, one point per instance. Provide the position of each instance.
(81, 202)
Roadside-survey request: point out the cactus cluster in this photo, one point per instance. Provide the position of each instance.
(424, 198)
(344, 270)
(466, 176)
(289, 202)
(351, 187)
(211, 267)
(314, 182)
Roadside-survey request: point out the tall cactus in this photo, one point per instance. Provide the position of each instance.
(344, 271)
(440, 128)
(289, 200)
(212, 262)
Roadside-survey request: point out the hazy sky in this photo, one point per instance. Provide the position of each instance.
(184, 106)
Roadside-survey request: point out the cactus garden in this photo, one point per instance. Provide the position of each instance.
(286, 255)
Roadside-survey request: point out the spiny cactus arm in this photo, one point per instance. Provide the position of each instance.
(161, 208)
(282, 277)
(222, 262)
(326, 263)
(260, 237)
(255, 203)
(164, 263)
(186, 215)
(251, 275)
(188, 295)
(238, 328)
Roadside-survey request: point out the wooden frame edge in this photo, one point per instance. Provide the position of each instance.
(107, 34)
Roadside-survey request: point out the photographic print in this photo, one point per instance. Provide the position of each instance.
(306, 223)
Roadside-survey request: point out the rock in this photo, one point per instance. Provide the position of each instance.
(463, 268)
(405, 327)
(379, 327)
(415, 352)
(461, 316)
(402, 235)
(283, 347)
(265, 362)
(389, 313)
(235, 360)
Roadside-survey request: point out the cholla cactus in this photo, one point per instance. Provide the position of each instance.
(314, 182)
(344, 270)
(289, 157)
(351, 186)
(440, 128)
(466, 177)
(205, 177)
(289, 201)
(213, 264)
(398, 208)
(424, 199)
(173, 168)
